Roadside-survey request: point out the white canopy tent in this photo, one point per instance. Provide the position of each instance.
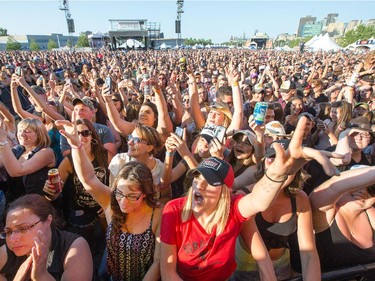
(325, 43)
(312, 40)
(131, 43)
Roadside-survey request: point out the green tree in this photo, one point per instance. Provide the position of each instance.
(34, 46)
(12, 44)
(361, 32)
(83, 41)
(69, 43)
(192, 42)
(3, 32)
(52, 44)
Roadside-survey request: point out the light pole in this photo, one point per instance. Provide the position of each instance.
(64, 6)
(180, 4)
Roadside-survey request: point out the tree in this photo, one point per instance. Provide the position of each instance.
(361, 32)
(83, 41)
(52, 44)
(34, 46)
(192, 42)
(12, 44)
(3, 32)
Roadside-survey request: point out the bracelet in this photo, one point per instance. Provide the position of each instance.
(235, 84)
(167, 153)
(275, 180)
(77, 147)
(3, 143)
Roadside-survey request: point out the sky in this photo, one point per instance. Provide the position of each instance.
(215, 20)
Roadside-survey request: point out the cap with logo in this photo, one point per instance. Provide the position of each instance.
(215, 171)
(86, 101)
(287, 85)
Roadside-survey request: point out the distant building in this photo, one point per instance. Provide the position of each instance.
(311, 29)
(331, 18)
(352, 25)
(370, 22)
(283, 39)
(335, 29)
(303, 22)
(260, 38)
(41, 40)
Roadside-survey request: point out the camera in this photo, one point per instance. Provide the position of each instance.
(18, 71)
(108, 83)
(220, 133)
(179, 132)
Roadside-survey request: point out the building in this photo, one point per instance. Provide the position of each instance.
(42, 40)
(352, 25)
(302, 22)
(335, 29)
(283, 39)
(260, 38)
(331, 18)
(311, 29)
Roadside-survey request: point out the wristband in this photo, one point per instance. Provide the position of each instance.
(3, 143)
(275, 180)
(167, 153)
(235, 84)
(77, 147)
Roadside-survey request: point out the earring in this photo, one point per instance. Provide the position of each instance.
(94, 141)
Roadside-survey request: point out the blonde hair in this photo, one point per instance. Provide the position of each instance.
(219, 218)
(40, 130)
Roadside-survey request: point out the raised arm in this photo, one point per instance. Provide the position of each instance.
(196, 113)
(286, 163)
(122, 126)
(233, 78)
(16, 103)
(54, 115)
(324, 197)
(83, 167)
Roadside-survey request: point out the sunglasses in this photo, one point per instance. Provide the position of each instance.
(85, 133)
(130, 197)
(371, 190)
(136, 140)
(115, 100)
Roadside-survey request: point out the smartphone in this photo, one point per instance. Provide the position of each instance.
(18, 71)
(220, 133)
(179, 132)
(108, 83)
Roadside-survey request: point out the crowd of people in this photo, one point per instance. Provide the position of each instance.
(186, 164)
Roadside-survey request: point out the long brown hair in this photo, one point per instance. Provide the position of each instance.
(97, 149)
(138, 173)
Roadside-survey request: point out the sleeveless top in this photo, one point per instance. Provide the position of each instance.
(61, 242)
(275, 235)
(130, 255)
(27, 184)
(335, 250)
(80, 208)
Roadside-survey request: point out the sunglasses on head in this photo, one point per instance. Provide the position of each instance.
(85, 133)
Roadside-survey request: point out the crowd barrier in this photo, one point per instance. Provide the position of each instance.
(362, 272)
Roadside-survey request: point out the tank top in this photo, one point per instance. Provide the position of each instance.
(275, 235)
(80, 208)
(130, 255)
(61, 243)
(335, 250)
(27, 184)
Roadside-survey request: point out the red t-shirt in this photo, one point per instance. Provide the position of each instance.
(201, 256)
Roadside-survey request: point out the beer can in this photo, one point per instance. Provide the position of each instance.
(54, 178)
(260, 112)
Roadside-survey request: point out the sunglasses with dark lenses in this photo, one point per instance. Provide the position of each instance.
(115, 100)
(85, 133)
(371, 190)
(136, 140)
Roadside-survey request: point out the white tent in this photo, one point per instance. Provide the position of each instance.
(325, 43)
(312, 40)
(131, 43)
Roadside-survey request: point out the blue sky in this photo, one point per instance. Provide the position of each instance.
(216, 20)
